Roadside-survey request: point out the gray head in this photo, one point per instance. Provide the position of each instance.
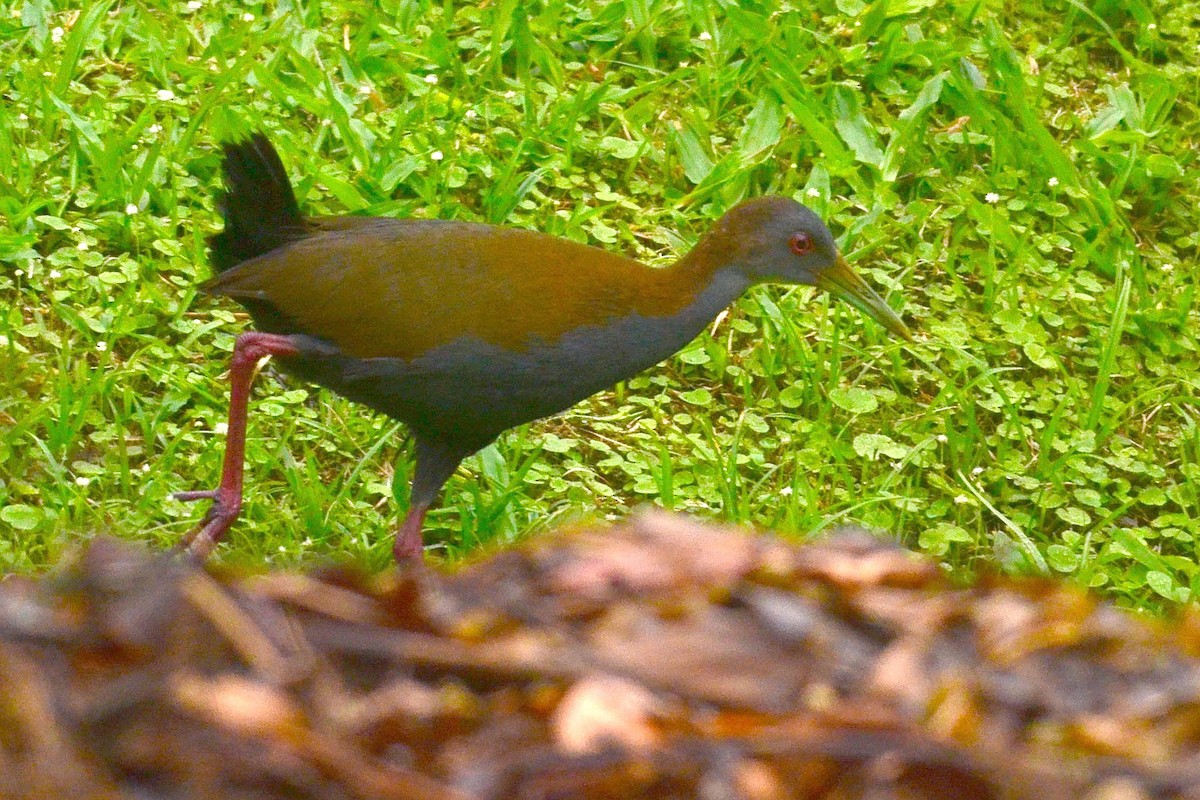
(777, 240)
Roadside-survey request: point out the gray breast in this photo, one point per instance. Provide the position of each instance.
(470, 389)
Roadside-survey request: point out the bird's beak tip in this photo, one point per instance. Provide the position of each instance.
(840, 280)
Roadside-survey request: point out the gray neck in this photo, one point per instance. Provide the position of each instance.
(686, 324)
(626, 346)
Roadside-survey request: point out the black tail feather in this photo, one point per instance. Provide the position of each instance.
(258, 204)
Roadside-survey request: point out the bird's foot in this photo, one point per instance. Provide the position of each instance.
(409, 548)
(200, 541)
(410, 544)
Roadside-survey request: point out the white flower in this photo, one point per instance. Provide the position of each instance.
(221, 428)
(437, 155)
(786, 491)
(165, 95)
(131, 209)
(81, 246)
(146, 467)
(56, 35)
(962, 498)
(155, 128)
(431, 79)
(992, 197)
(1052, 182)
(247, 17)
(82, 480)
(55, 274)
(101, 346)
(943, 438)
(194, 5)
(471, 113)
(977, 471)
(705, 36)
(813, 192)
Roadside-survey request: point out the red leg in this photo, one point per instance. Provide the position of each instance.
(410, 544)
(436, 461)
(249, 349)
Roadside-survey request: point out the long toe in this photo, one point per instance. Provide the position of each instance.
(221, 515)
(188, 497)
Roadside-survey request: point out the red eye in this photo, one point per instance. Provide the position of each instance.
(801, 244)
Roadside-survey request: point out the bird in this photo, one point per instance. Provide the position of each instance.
(463, 330)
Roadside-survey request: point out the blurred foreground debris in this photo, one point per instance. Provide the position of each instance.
(659, 659)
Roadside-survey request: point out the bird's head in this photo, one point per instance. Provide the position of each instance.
(777, 240)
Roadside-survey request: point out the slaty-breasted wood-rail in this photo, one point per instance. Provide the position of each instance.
(463, 330)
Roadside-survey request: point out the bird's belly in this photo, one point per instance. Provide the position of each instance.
(471, 390)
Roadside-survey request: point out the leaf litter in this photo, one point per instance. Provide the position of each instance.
(661, 658)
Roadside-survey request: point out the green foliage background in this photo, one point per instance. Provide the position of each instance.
(1018, 178)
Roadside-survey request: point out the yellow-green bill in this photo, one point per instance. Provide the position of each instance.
(841, 281)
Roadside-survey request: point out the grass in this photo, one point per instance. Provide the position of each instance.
(1019, 179)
